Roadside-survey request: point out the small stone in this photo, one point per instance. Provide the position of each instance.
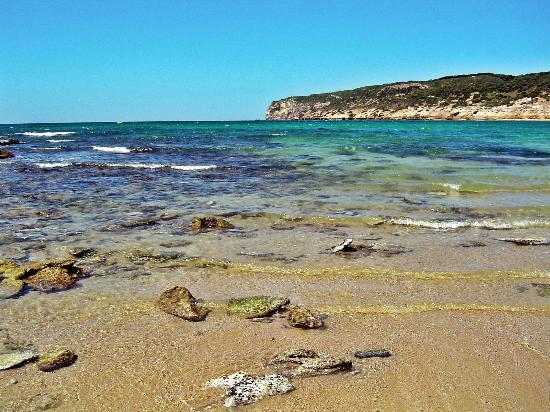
(10, 288)
(243, 388)
(300, 317)
(178, 301)
(376, 353)
(210, 222)
(56, 360)
(4, 154)
(51, 279)
(16, 358)
(256, 306)
(13, 382)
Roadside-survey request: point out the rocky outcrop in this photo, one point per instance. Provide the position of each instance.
(482, 96)
(4, 154)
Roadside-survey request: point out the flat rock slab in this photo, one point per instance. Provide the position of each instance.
(304, 362)
(256, 306)
(16, 358)
(527, 241)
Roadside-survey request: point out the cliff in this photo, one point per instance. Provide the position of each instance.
(482, 96)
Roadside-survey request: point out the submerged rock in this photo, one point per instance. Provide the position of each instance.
(81, 252)
(300, 317)
(10, 287)
(304, 362)
(543, 289)
(473, 243)
(527, 241)
(46, 276)
(9, 142)
(376, 353)
(51, 279)
(243, 388)
(256, 306)
(56, 360)
(137, 223)
(210, 222)
(4, 154)
(178, 301)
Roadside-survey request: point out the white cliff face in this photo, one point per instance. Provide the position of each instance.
(537, 108)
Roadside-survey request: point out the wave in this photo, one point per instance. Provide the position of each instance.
(114, 149)
(452, 186)
(481, 224)
(46, 134)
(61, 140)
(189, 168)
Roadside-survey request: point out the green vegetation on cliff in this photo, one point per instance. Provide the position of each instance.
(481, 89)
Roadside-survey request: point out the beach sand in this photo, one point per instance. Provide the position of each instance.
(457, 344)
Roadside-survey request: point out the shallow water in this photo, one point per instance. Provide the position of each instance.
(310, 178)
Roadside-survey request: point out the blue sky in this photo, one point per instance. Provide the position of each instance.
(226, 60)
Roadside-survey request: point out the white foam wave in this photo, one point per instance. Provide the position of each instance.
(481, 224)
(114, 149)
(452, 186)
(60, 140)
(52, 165)
(47, 134)
(131, 165)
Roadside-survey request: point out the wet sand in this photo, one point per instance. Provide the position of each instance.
(457, 343)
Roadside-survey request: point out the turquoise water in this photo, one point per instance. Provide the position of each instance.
(87, 176)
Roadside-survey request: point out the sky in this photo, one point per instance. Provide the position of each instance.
(123, 60)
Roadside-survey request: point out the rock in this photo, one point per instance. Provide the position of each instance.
(13, 354)
(10, 288)
(137, 223)
(300, 317)
(210, 222)
(23, 169)
(51, 279)
(9, 142)
(376, 353)
(47, 402)
(304, 362)
(389, 250)
(178, 301)
(527, 241)
(243, 388)
(342, 247)
(543, 289)
(81, 252)
(8, 267)
(16, 358)
(56, 360)
(4, 154)
(15, 271)
(472, 243)
(256, 306)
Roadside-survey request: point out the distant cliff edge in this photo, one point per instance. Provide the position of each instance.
(482, 96)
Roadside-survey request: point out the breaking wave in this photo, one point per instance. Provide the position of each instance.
(47, 134)
(481, 224)
(128, 165)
